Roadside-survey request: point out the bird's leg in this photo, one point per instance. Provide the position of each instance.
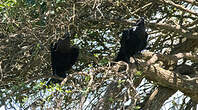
(136, 62)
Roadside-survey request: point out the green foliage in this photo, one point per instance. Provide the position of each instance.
(68, 91)
(111, 99)
(120, 82)
(103, 61)
(138, 73)
(87, 78)
(30, 26)
(137, 108)
(7, 3)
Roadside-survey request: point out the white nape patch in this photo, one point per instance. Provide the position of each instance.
(135, 27)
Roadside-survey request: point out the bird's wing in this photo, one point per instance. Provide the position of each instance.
(53, 48)
(74, 55)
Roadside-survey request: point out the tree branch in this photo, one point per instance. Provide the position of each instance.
(169, 79)
(158, 97)
(193, 2)
(169, 2)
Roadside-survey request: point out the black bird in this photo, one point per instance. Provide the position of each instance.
(63, 57)
(132, 42)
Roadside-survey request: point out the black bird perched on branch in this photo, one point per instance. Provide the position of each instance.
(63, 57)
(132, 41)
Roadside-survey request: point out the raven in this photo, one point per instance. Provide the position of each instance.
(63, 57)
(132, 42)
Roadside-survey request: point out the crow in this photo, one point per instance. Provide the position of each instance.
(132, 42)
(63, 57)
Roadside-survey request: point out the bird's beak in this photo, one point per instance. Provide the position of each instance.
(141, 20)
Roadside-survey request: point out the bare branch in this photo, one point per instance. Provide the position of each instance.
(169, 2)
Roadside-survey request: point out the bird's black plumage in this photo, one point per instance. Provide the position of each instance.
(63, 57)
(132, 41)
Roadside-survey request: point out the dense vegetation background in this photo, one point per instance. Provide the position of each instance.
(28, 27)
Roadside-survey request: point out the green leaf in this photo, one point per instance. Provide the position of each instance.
(38, 46)
(68, 91)
(25, 98)
(90, 65)
(87, 78)
(138, 73)
(111, 99)
(96, 55)
(137, 108)
(2, 6)
(120, 81)
(103, 61)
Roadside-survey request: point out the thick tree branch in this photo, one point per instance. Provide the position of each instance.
(169, 79)
(158, 97)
